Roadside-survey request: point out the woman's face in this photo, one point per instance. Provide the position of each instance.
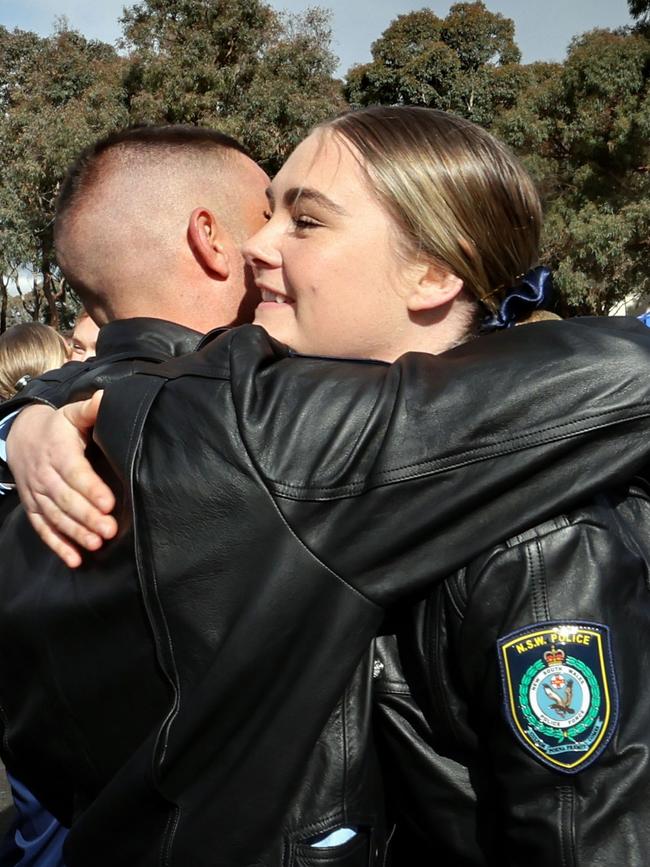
(326, 263)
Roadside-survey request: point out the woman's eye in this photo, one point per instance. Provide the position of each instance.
(302, 221)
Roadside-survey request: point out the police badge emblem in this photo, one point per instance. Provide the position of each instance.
(560, 691)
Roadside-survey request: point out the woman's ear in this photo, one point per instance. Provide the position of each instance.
(206, 237)
(434, 288)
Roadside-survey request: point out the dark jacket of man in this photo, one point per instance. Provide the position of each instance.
(181, 682)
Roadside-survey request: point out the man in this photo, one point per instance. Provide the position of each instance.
(149, 742)
(84, 338)
(202, 167)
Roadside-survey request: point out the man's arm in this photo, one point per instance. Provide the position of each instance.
(305, 495)
(123, 347)
(529, 697)
(560, 727)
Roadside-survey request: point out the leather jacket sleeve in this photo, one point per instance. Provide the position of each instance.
(446, 731)
(124, 347)
(390, 460)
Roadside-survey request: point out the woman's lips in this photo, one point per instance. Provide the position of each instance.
(271, 297)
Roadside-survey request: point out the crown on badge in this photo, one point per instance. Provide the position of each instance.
(554, 656)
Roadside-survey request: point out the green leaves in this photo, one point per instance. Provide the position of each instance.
(599, 254)
(59, 94)
(479, 37)
(240, 66)
(583, 128)
(466, 63)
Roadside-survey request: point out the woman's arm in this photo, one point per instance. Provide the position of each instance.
(66, 501)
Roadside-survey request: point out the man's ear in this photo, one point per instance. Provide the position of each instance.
(434, 288)
(206, 236)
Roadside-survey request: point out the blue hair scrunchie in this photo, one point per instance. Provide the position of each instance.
(532, 292)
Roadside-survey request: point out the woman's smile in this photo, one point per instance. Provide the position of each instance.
(272, 296)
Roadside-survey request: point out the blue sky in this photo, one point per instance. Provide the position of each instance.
(544, 28)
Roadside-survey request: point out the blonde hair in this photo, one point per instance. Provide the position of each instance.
(28, 349)
(539, 316)
(458, 196)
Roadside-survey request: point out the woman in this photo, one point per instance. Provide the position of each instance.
(475, 767)
(406, 229)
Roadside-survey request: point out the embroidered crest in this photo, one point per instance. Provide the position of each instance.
(560, 691)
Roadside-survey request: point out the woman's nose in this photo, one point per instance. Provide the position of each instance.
(262, 248)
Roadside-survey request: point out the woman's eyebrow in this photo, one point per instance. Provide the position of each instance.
(292, 195)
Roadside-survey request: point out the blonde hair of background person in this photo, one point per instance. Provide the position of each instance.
(28, 349)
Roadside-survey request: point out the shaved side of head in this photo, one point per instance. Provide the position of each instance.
(123, 211)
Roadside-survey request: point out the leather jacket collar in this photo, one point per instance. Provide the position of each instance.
(152, 339)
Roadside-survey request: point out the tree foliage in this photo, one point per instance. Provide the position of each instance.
(639, 9)
(584, 129)
(467, 63)
(58, 94)
(264, 78)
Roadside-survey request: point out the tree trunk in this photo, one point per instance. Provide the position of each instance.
(4, 300)
(49, 290)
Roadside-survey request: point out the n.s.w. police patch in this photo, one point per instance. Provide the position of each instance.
(560, 691)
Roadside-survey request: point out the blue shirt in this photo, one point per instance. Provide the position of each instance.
(37, 836)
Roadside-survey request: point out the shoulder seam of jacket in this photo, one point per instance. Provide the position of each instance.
(433, 466)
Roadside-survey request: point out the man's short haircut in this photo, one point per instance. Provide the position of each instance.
(167, 139)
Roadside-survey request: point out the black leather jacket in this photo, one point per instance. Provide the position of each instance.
(467, 785)
(177, 712)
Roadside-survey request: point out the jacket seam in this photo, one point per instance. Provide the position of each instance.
(265, 483)
(393, 687)
(439, 696)
(567, 818)
(159, 625)
(468, 457)
(533, 554)
(344, 748)
(450, 590)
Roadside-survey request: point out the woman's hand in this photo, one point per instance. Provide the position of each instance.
(65, 500)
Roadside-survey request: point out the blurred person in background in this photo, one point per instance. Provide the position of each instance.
(84, 337)
(27, 350)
